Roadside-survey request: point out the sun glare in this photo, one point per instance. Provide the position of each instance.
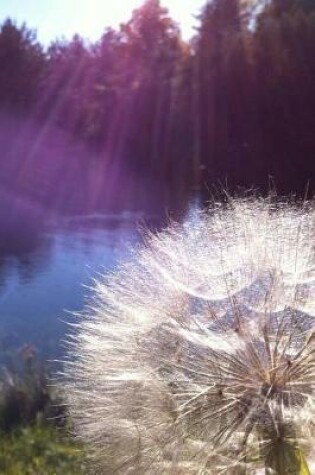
(89, 18)
(92, 17)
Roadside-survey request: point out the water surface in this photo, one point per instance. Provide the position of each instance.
(46, 276)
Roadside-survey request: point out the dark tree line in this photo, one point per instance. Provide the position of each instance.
(234, 105)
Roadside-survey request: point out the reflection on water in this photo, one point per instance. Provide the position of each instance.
(48, 263)
(42, 284)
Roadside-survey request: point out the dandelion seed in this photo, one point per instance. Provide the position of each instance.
(198, 357)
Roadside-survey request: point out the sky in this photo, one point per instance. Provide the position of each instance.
(63, 18)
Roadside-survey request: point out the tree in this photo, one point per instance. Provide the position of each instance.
(153, 50)
(284, 49)
(62, 87)
(21, 66)
(222, 74)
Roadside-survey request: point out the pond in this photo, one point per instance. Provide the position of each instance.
(43, 283)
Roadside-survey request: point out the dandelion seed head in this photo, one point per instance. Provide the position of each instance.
(198, 356)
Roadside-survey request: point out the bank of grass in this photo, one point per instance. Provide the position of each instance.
(34, 433)
(39, 449)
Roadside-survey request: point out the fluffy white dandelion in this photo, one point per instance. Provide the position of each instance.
(197, 357)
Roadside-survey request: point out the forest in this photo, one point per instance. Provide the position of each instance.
(233, 106)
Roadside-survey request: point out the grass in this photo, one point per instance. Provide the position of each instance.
(34, 437)
(39, 449)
